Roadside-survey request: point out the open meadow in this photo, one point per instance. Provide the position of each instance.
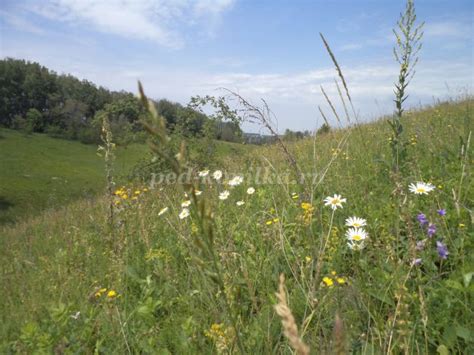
(289, 178)
(179, 271)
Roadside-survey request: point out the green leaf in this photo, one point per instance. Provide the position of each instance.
(449, 335)
(454, 284)
(467, 278)
(463, 333)
(442, 350)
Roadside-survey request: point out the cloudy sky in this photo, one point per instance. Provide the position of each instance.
(260, 48)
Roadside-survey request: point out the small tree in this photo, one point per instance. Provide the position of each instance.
(325, 128)
(34, 121)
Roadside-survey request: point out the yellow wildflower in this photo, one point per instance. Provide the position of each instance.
(328, 281)
(100, 292)
(308, 212)
(216, 330)
(111, 294)
(221, 336)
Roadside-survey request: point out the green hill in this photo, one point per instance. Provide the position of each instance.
(164, 279)
(39, 172)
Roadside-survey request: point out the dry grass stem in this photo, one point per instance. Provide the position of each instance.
(290, 329)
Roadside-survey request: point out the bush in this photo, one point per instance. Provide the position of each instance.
(34, 120)
(325, 128)
(54, 131)
(19, 123)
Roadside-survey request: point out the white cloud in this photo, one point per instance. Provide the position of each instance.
(448, 29)
(203, 7)
(20, 23)
(160, 21)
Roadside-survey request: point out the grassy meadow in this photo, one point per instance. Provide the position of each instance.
(39, 172)
(195, 268)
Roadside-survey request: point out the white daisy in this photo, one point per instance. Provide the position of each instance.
(224, 195)
(217, 175)
(356, 235)
(421, 188)
(355, 222)
(186, 203)
(335, 201)
(203, 173)
(162, 211)
(250, 190)
(236, 181)
(184, 213)
(197, 192)
(240, 203)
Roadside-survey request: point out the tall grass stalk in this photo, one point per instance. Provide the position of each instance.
(108, 153)
(408, 37)
(264, 115)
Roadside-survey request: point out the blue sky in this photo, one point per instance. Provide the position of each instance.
(261, 49)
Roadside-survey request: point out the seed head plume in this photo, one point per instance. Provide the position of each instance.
(339, 346)
(290, 329)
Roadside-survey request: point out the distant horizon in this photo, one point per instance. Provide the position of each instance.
(264, 49)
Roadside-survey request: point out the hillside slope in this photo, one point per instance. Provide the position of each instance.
(164, 279)
(39, 172)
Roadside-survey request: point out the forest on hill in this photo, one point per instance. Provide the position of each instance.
(34, 98)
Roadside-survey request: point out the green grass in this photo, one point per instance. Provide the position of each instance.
(182, 291)
(38, 172)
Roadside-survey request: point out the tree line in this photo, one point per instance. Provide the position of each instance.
(36, 99)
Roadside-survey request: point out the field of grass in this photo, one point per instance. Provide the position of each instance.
(159, 281)
(38, 172)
